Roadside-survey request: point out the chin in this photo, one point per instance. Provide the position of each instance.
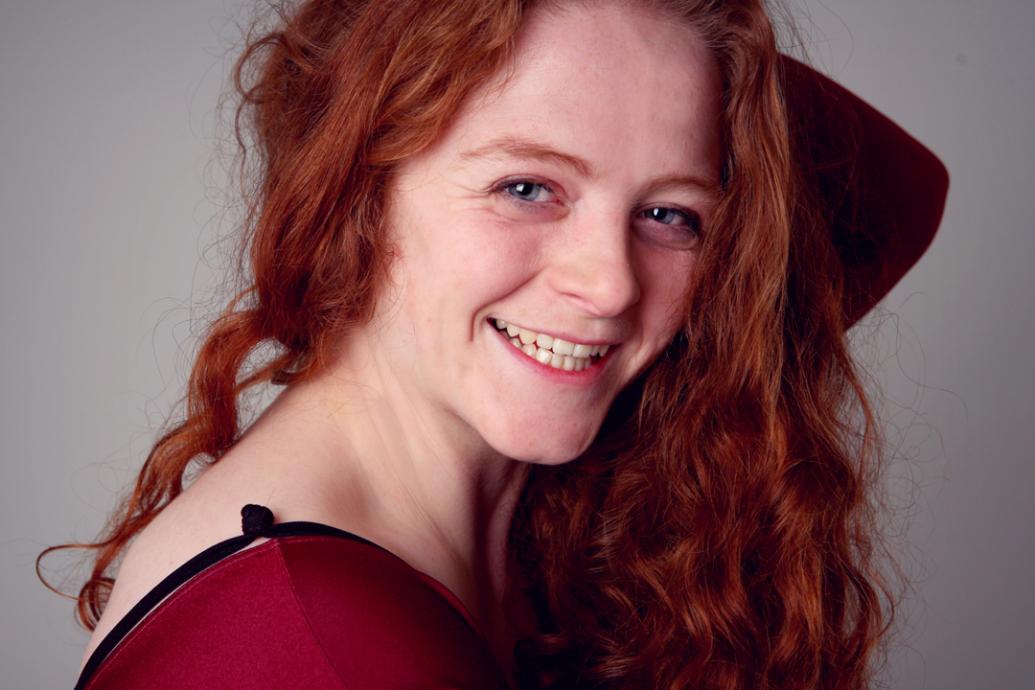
(544, 448)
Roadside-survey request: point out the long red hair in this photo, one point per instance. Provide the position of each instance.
(721, 531)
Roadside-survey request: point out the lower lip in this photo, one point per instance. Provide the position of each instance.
(581, 378)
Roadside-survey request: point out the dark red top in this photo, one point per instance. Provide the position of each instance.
(313, 607)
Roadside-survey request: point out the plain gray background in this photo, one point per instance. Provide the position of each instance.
(111, 206)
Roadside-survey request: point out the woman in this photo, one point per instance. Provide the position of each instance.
(558, 300)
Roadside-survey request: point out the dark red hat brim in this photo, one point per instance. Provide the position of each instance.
(884, 191)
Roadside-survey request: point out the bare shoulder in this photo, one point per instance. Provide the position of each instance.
(204, 514)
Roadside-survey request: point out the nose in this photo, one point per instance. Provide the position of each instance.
(593, 263)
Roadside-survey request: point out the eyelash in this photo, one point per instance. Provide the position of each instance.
(692, 219)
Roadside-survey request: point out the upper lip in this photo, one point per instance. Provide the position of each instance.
(558, 334)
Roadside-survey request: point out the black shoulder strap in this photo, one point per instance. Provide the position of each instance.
(256, 521)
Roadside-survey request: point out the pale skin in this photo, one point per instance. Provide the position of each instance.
(420, 434)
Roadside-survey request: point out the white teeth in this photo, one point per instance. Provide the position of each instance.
(557, 345)
(581, 351)
(562, 347)
(555, 352)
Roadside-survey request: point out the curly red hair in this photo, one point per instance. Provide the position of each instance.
(720, 532)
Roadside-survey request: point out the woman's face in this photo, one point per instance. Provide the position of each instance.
(566, 204)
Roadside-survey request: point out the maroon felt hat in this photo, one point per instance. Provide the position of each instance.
(884, 191)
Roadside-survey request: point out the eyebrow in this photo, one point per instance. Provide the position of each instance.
(516, 147)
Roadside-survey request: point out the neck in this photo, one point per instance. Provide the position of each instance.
(411, 475)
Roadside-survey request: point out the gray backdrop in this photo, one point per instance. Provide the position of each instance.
(110, 209)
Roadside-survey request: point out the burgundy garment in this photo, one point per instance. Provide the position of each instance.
(313, 607)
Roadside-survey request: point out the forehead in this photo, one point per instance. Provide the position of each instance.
(628, 90)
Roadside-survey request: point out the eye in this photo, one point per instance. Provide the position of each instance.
(672, 227)
(526, 190)
(673, 216)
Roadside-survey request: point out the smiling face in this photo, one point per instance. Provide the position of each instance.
(566, 202)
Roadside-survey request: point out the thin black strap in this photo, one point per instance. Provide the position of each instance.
(256, 521)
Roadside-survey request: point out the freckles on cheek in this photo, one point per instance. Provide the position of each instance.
(664, 290)
(495, 246)
(458, 270)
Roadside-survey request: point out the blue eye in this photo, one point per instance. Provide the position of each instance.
(525, 190)
(672, 216)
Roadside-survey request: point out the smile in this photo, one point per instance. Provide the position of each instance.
(549, 350)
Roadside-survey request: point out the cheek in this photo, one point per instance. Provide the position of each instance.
(488, 250)
(462, 262)
(667, 276)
